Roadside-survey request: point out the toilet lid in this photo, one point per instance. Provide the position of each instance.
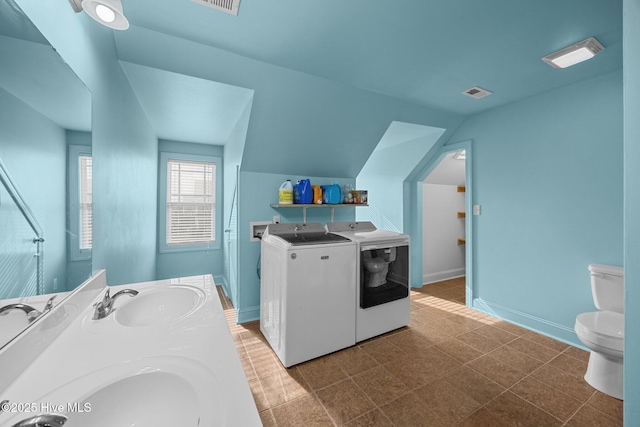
(605, 328)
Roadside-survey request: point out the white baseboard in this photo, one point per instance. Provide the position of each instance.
(542, 326)
(248, 314)
(222, 281)
(443, 275)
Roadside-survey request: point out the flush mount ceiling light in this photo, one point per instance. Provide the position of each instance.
(106, 12)
(574, 54)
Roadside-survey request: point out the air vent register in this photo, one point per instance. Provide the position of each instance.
(229, 6)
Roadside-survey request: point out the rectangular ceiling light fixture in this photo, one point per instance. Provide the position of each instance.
(574, 54)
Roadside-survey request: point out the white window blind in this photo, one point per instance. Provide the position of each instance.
(86, 200)
(190, 202)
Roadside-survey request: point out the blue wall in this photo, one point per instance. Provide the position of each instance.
(548, 170)
(34, 150)
(125, 149)
(125, 152)
(548, 175)
(233, 150)
(383, 177)
(301, 126)
(632, 207)
(258, 192)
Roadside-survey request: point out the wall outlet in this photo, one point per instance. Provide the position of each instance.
(476, 209)
(276, 219)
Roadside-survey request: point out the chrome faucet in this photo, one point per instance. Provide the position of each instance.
(32, 313)
(105, 307)
(44, 420)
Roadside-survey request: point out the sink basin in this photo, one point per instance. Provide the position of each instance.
(149, 392)
(159, 306)
(150, 399)
(162, 358)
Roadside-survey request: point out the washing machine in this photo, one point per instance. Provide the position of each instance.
(382, 277)
(307, 291)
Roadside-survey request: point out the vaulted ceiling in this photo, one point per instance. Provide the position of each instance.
(422, 51)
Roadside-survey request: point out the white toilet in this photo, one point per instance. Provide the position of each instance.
(603, 331)
(377, 267)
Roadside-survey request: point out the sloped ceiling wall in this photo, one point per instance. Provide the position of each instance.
(426, 52)
(184, 108)
(300, 124)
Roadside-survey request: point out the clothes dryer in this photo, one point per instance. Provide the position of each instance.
(382, 277)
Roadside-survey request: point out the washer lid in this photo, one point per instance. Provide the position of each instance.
(338, 227)
(605, 323)
(303, 239)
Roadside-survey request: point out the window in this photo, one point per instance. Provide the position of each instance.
(80, 202)
(189, 190)
(190, 203)
(86, 201)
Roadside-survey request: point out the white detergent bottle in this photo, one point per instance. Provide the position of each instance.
(285, 195)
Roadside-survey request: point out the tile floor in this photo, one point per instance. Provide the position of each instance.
(452, 366)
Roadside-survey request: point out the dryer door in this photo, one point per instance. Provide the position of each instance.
(384, 274)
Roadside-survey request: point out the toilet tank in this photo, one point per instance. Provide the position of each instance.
(607, 287)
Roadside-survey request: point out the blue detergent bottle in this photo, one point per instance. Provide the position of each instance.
(302, 192)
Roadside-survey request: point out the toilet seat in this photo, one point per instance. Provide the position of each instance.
(603, 328)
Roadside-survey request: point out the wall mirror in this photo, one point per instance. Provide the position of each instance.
(45, 166)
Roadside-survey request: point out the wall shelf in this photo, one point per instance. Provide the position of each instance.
(313, 206)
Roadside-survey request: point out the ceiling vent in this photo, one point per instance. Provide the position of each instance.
(229, 6)
(477, 92)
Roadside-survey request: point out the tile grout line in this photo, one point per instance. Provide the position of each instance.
(530, 375)
(453, 313)
(579, 408)
(527, 375)
(313, 392)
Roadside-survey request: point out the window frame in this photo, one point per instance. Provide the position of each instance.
(165, 156)
(76, 253)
